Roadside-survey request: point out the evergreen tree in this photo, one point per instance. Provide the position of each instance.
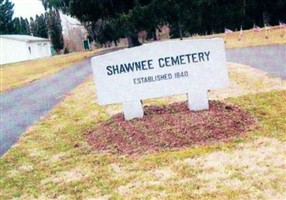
(25, 26)
(33, 27)
(179, 14)
(6, 14)
(183, 16)
(17, 25)
(41, 26)
(48, 25)
(55, 29)
(90, 11)
(21, 26)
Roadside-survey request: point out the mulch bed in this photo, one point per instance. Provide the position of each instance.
(170, 127)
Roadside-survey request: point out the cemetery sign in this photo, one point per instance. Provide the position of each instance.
(161, 69)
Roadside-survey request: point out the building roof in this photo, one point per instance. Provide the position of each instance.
(25, 38)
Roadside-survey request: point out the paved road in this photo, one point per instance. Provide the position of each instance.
(271, 59)
(21, 107)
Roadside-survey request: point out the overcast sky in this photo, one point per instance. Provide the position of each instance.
(30, 8)
(27, 8)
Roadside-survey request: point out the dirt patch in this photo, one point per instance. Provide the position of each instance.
(170, 127)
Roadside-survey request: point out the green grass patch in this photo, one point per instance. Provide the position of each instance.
(269, 109)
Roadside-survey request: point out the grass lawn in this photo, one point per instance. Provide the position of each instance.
(21, 73)
(275, 35)
(53, 160)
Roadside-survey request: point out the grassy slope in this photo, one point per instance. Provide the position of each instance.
(53, 160)
(275, 35)
(21, 73)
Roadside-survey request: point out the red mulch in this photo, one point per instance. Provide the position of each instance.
(170, 127)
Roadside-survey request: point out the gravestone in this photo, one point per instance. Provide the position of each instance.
(161, 69)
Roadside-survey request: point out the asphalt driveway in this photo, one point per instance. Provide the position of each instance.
(271, 59)
(21, 107)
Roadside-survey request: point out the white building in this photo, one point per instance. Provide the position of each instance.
(15, 48)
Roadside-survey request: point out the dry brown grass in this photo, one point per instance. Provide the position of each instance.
(21, 73)
(246, 80)
(53, 161)
(275, 35)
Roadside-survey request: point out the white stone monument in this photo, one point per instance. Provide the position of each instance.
(161, 69)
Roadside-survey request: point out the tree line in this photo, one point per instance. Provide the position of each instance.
(109, 20)
(47, 25)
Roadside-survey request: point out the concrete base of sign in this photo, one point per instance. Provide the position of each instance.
(133, 109)
(198, 100)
